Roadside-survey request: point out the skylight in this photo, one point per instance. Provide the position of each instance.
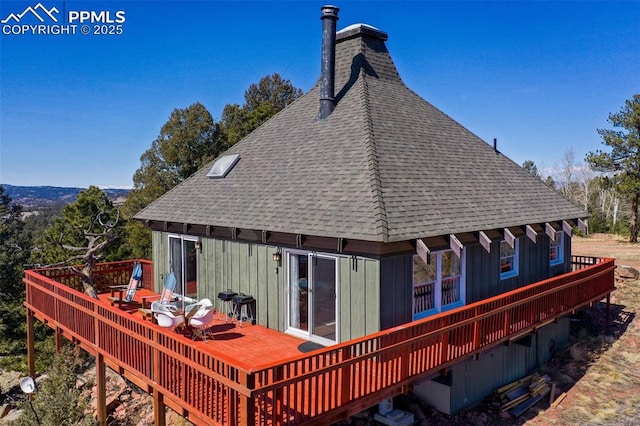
(223, 165)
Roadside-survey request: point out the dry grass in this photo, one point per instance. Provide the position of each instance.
(607, 376)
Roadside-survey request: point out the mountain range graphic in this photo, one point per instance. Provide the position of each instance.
(16, 18)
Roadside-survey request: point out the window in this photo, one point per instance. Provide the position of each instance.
(223, 165)
(437, 285)
(508, 259)
(556, 249)
(451, 274)
(424, 280)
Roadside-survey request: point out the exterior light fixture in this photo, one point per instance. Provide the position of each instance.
(28, 386)
(277, 255)
(199, 245)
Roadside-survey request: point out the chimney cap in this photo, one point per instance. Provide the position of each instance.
(329, 11)
(356, 29)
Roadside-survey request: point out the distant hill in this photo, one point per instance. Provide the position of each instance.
(42, 196)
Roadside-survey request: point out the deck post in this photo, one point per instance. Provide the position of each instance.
(346, 375)
(101, 390)
(607, 327)
(278, 396)
(159, 411)
(444, 341)
(476, 329)
(31, 354)
(58, 339)
(247, 403)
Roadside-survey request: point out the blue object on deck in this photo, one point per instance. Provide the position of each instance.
(134, 282)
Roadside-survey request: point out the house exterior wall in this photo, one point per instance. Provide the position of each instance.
(160, 253)
(373, 294)
(482, 276)
(483, 269)
(360, 297)
(250, 269)
(396, 291)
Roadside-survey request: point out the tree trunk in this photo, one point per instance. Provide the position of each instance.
(87, 281)
(633, 225)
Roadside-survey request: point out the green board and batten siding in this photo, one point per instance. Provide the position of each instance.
(483, 269)
(160, 254)
(482, 276)
(249, 268)
(374, 294)
(396, 290)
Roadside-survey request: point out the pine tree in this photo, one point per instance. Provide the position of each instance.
(623, 161)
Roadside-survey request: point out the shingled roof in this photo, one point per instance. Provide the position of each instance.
(385, 166)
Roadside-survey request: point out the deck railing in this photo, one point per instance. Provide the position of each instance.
(104, 275)
(318, 387)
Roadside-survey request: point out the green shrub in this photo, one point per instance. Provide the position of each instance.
(58, 400)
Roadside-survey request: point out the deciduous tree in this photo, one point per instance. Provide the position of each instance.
(622, 162)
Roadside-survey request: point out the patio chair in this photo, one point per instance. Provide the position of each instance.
(199, 315)
(166, 297)
(130, 289)
(168, 316)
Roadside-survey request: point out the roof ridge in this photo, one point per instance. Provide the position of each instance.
(372, 160)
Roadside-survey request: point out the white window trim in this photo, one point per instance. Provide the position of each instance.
(560, 258)
(437, 288)
(516, 261)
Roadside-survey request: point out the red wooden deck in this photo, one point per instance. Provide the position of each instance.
(249, 345)
(253, 375)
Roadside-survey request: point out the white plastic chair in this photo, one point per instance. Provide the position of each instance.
(167, 315)
(199, 317)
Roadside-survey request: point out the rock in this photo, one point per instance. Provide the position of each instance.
(627, 272)
(11, 416)
(5, 409)
(9, 380)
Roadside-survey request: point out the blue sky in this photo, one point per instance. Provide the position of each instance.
(79, 110)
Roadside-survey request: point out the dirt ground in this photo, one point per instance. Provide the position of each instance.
(608, 392)
(605, 245)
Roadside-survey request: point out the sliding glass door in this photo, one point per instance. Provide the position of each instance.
(183, 262)
(312, 289)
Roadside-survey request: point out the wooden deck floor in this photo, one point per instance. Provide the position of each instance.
(250, 345)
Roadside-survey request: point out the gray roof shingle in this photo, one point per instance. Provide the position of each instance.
(385, 166)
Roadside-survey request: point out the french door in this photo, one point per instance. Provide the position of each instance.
(183, 262)
(312, 289)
